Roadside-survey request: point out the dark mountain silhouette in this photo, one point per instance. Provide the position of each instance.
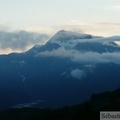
(107, 101)
(98, 47)
(48, 75)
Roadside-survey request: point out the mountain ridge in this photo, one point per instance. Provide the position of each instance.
(107, 101)
(63, 37)
(59, 75)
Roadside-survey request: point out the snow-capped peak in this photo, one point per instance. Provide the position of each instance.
(67, 38)
(63, 36)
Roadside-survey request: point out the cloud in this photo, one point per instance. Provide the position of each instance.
(95, 58)
(4, 27)
(77, 73)
(89, 67)
(116, 7)
(20, 40)
(102, 29)
(83, 57)
(60, 52)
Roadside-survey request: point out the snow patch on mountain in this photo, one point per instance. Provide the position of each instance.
(78, 41)
(68, 38)
(117, 42)
(32, 104)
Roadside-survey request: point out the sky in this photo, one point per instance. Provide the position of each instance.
(49, 16)
(97, 17)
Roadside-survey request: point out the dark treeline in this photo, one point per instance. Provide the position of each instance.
(107, 101)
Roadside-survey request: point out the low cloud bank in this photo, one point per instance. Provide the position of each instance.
(20, 40)
(83, 57)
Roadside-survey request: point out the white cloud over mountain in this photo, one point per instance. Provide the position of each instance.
(83, 57)
(77, 73)
(95, 50)
(102, 29)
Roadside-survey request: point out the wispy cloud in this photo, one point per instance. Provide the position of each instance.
(103, 29)
(20, 40)
(60, 52)
(77, 73)
(116, 7)
(83, 57)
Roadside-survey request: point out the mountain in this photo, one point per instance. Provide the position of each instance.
(107, 101)
(68, 35)
(65, 71)
(63, 38)
(97, 47)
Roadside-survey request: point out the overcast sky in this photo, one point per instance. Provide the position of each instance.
(92, 16)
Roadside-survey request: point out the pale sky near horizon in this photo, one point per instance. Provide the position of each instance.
(92, 16)
(96, 17)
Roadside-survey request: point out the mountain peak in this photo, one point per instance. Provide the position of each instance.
(62, 31)
(67, 36)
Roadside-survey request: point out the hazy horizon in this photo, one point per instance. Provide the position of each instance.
(96, 17)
